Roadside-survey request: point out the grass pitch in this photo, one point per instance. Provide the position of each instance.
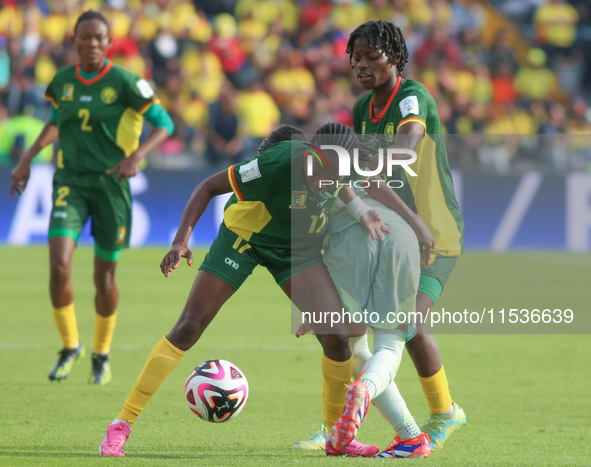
(526, 397)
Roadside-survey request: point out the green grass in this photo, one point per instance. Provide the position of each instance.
(527, 397)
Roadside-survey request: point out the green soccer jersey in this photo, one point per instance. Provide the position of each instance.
(430, 194)
(272, 205)
(99, 119)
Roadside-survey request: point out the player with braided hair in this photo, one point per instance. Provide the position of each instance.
(383, 36)
(403, 114)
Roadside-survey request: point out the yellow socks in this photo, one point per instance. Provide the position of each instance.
(436, 391)
(65, 320)
(104, 326)
(336, 376)
(163, 358)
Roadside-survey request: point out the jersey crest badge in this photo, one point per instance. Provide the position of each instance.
(68, 94)
(389, 132)
(298, 200)
(108, 95)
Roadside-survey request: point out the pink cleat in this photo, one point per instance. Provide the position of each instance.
(114, 440)
(356, 405)
(354, 449)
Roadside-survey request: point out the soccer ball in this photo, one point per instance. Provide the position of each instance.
(216, 391)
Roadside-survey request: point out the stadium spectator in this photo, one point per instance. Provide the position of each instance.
(535, 81)
(501, 53)
(556, 29)
(18, 133)
(504, 91)
(258, 115)
(439, 48)
(4, 70)
(227, 46)
(225, 146)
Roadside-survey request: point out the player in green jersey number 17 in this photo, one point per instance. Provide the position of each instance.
(259, 227)
(97, 113)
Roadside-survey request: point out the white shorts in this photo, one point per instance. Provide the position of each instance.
(381, 277)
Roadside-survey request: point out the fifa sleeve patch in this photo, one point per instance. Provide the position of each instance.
(250, 171)
(144, 88)
(409, 105)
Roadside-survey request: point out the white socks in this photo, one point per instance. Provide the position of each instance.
(383, 365)
(361, 353)
(117, 420)
(380, 370)
(448, 411)
(392, 407)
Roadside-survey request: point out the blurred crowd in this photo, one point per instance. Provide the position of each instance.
(229, 71)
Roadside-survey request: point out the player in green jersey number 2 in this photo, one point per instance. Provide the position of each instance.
(97, 113)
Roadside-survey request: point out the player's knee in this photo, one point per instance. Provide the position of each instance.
(335, 346)
(185, 333)
(59, 270)
(421, 331)
(104, 281)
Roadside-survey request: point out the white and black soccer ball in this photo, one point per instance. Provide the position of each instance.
(216, 391)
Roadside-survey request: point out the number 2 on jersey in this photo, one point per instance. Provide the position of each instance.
(62, 192)
(84, 114)
(315, 221)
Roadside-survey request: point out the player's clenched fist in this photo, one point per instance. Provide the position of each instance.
(172, 259)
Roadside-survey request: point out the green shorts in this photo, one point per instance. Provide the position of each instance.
(433, 280)
(78, 196)
(232, 259)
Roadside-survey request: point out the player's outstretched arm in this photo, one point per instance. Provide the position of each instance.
(215, 185)
(21, 173)
(380, 191)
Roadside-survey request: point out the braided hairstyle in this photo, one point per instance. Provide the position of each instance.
(384, 36)
(88, 15)
(341, 135)
(283, 133)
